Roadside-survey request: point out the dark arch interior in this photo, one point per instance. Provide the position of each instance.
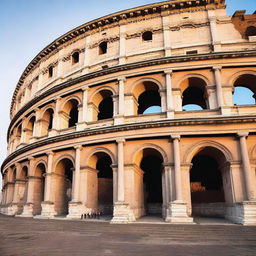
(75, 57)
(148, 99)
(147, 36)
(105, 184)
(106, 108)
(73, 115)
(50, 112)
(103, 48)
(152, 180)
(206, 184)
(195, 96)
(250, 31)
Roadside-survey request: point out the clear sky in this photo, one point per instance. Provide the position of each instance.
(27, 26)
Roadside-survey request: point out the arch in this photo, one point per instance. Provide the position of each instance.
(192, 75)
(47, 118)
(250, 31)
(106, 88)
(146, 93)
(103, 47)
(194, 149)
(63, 183)
(75, 57)
(137, 157)
(102, 101)
(65, 156)
(194, 92)
(99, 150)
(236, 75)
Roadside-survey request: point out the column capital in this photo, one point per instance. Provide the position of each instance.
(31, 158)
(175, 137)
(50, 153)
(121, 78)
(78, 147)
(85, 88)
(217, 68)
(17, 165)
(242, 134)
(120, 140)
(168, 71)
(58, 98)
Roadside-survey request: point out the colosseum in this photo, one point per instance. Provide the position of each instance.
(133, 114)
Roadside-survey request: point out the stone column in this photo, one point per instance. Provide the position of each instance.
(83, 111)
(120, 112)
(169, 96)
(75, 206)
(122, 43)
(47, 205)
(28, 207)
(248, 174)
(122, 212)
(56, 117)
(217, 75)
(87, 53)
(114, 169)
(214, 33)
(177, 211)
(166, 33)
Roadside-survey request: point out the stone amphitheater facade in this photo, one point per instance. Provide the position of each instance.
(83, 141)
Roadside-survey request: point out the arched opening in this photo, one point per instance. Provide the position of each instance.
(24, 185)
(47, 122)
(63, 185)
(18, 137)
(147, 36)
(50, 71)
(250, 31)
(103, 46)
(194, 94)
(69, 116)
(75, 57)
(148, 97)
(151, 164)
(244, 90)
(209, 192)
(39, 183)
(103, 105)
(105, 184)
(30, 128)
(100, 184)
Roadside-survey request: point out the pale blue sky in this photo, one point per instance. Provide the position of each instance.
(27, 26)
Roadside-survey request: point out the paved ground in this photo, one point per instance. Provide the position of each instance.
(19, 236)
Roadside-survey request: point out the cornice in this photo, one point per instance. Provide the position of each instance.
(125, 67)
(89, 27)
(133, 126)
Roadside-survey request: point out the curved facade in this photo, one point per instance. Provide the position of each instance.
(134, 114)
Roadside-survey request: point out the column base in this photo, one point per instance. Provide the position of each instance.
(122, 213)
(74, 210)
(7, 210)
(243, 213)
(177, 213)
(81, 126)
(27, 210)
(118, 120)
(17, 208)
(47, 210)
(225, 110)
(170, 114)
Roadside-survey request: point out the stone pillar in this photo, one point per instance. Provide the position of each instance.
(177, 210)
(119, 117)
(166, 33)
(75, 206)
(217, 75)
(87, 54)
(166, 193)
(56, 117)
(163, 100)
(83, 111)
(122, 212)
(47, 205)
(28, 207)
(248, 174)
(122, 42)
(214, 33)
(115, 106)
(169, 96)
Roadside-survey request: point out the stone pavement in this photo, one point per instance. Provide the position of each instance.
(32, 237)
